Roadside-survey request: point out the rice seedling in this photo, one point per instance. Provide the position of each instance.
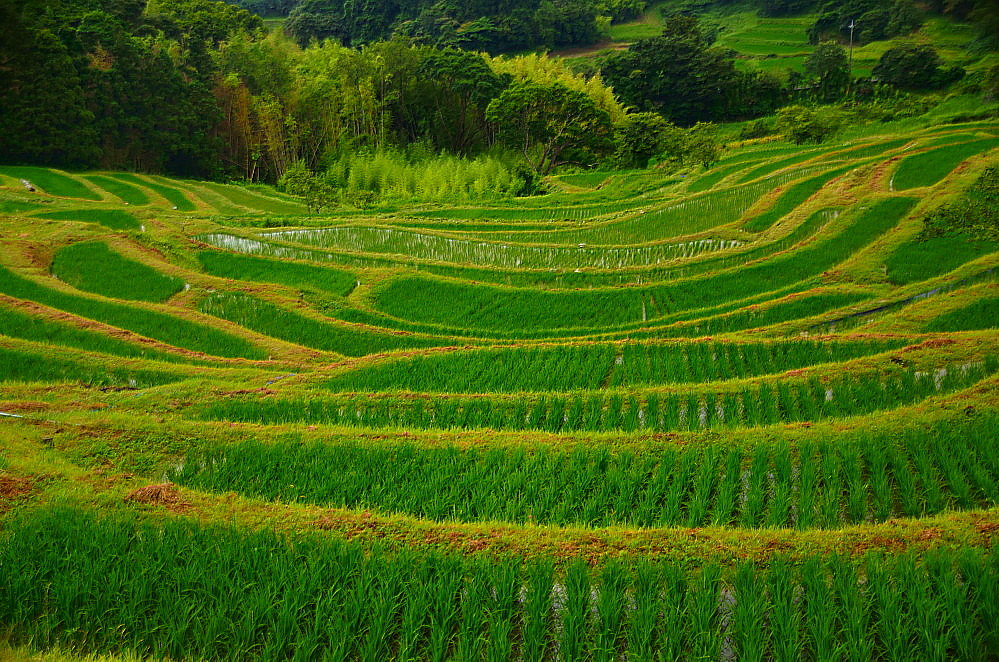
(269, 319)
(114, 219)
(173, 196)
(461, 305)
(980, 314)
(127, 193)
(929, 167)
(292, 274)
(94, 267)
(102, 584)
(51, 181)
(254, 201)
(19, 325)
(792, 198)
(749, 615)
(159, 326)
(18, 366)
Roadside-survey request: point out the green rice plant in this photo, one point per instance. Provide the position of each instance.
(980, 314)
(271, 320)
(853, 598)
(756, 491)
(749, 614)
(153, 324)
(292, 274)
(19, 325)
(538, 613)
(94, 267)
(17, 207)
(18, 366)
(832, 488)
(792, 198)
(115, 219)
(921, 259)
(785, 616)
(573, 644)
(490, 308)
(51, 181)
(173, 196)
(127, 193)
(677, 592)
(502, 611)
(611, 606)
(271, 204)
(106, 583)
(761, 405)
(929, 167)
(729, 488)
(702, 612)
(820, 611)
(644, 622)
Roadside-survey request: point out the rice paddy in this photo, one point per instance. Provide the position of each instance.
(746, 414)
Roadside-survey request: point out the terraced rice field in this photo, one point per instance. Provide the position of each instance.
(746, 415)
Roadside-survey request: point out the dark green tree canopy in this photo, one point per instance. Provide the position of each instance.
(829, 68)
(680, 76)
(914, 67)
(551, 125)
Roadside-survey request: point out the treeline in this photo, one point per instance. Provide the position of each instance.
(113, 83)
(495, 26)
(198, 88)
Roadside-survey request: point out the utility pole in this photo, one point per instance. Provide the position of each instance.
(849, 83)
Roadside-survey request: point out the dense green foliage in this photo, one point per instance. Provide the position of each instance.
(94, 267)
(761, 404)
(479, 25)
(152, 324)
(19, 366)
(260, 596)
(679, 75)
(817, 485)
(20, 325)
(293, 274)
(592, 366)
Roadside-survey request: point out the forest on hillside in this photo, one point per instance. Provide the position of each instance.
(201, 88)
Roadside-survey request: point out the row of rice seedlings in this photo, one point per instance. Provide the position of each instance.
(18, 366)
(93, 267)
(792, 198)
(765, 404)
(152, 324)
(651, 223)
(929, 167)
(862, 316)
(127, 193)
(823, 485)
(276, 322)
(173, 196)
(921, 259)
(980, 314)
(433, 247)
(292, 274)
(523, 212)
(770, 166)
(575, 367)
(114, 219)
(51, 181)
(112, 584)
(465, 305)
(563, 278)
(19, 325)
(270, 204)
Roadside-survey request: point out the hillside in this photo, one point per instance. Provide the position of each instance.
(745, 411)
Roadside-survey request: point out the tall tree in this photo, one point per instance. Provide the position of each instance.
(829, 68)
(551, 125)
